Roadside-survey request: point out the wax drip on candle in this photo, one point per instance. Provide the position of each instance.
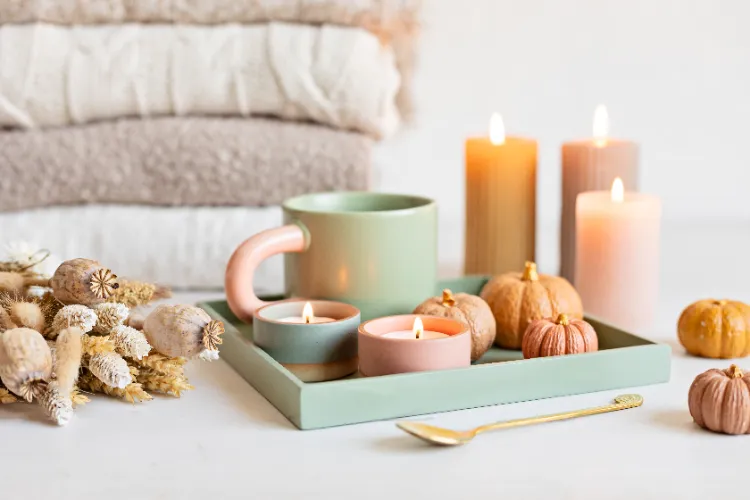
(497, 130)
(418, 328)
(601, 125)
(618, 191)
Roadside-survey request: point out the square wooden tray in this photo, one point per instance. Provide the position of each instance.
(501, 376)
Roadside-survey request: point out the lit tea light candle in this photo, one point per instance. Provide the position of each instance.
(307, 317)
(591, 165)
(412, 343)
(312, 348)
(617, 255)
(417, 332)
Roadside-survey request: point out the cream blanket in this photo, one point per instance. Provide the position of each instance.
(51, 75)
(178, 161)
(184, 247)
(395, 21)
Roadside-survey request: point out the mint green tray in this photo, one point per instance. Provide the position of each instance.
(501, 376)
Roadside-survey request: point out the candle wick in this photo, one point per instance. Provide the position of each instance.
(307, 319)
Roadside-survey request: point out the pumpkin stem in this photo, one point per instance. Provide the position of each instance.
(448, 299)
(563, 320)
(529, 272)
(720, 302)
(735, 372)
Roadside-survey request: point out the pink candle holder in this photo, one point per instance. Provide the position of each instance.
(383, 355)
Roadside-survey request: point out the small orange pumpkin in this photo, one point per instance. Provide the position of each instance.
(715, 329)
(719, 400)
(517, 299)
(545, 337)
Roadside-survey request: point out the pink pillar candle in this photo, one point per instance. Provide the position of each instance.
(617, 256)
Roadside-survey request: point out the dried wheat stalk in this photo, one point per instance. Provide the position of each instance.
(7, 397)
(165, 365)
(165, 384)
(133, 393)
(97, 345)
(138, 293)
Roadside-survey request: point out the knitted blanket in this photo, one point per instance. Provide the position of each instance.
(52, 75)
(383, 15)
(178, 161)
(395, 21)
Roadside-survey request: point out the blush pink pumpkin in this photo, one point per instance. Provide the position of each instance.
(719, 400)
(565, 335)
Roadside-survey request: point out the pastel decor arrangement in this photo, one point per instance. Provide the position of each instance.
(617, 255)
(471, 310)
(315, 340)
(547, 337)
(500, 377)
(375, 251)
(412, 343)
(719, 400)
(516, 299)
(500, 201)
(715, 329)
(591, 165)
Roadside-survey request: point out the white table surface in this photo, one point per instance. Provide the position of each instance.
(223, 440)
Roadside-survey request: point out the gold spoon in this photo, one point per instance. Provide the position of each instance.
(447, 437)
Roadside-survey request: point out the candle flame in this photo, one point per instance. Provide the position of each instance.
(497, 130)
(418, 328)
(618, 191)
(307, 313)
(601, 125)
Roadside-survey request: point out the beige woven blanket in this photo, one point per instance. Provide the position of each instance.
(395, 21)
(178, 161)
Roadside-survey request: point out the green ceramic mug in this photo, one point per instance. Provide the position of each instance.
(375, 251)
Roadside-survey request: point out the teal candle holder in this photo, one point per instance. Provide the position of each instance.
(324, 349)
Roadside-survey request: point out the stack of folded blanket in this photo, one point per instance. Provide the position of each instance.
(158, 134)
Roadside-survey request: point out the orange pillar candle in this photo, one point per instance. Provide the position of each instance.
(500, 201)
(591, 165)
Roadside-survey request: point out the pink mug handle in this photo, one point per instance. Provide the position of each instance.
(238, 279)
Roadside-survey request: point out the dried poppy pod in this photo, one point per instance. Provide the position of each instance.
(25, 361)
(183, 331)
(83, 281)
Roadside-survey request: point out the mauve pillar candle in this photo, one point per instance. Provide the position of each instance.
(591, 165)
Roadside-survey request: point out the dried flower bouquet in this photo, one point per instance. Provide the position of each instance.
(72, 332)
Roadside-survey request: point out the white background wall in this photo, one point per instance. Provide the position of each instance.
(675, 76)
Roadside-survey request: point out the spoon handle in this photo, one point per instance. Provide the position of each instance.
(621, 403)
